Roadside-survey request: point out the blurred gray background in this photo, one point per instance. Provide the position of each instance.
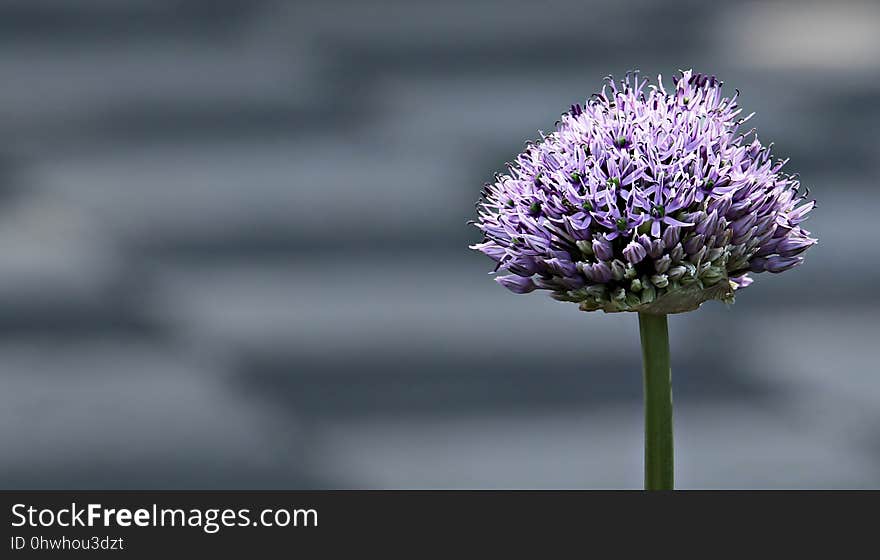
(233, 249)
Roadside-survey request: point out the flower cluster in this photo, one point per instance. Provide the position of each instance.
(644, 200)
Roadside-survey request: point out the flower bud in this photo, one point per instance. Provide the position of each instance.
(714, 254)
(778, 264)
(677, 253)
(617, 270)
(744, 237)
(598, 273)
(657, 248)
(694, 244)
(602, 249)
(586, 247)
(572, 282)
(634, 252)
(794, 245)
(662, 265)
(743, 224)
(561, 267)
(523, 266)
(721, 205)
(707, 225)
(758, 264)
(676, 272)
(632, 300)
(671, 236)
(698, 256)
(550, 283)
(660, 280)
(712, 275)
(516, 284)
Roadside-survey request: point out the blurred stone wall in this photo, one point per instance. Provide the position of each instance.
(233, 249)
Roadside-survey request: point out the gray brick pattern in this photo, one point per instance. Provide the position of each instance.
(233, 249)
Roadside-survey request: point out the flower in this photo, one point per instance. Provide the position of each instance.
(645, 200)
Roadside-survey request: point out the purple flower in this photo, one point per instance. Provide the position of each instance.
(645, 199)
(617, 222)
(663, 203)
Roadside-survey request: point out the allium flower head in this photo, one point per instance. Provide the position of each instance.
(644, 199)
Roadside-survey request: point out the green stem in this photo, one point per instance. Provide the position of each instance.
(658, 401)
